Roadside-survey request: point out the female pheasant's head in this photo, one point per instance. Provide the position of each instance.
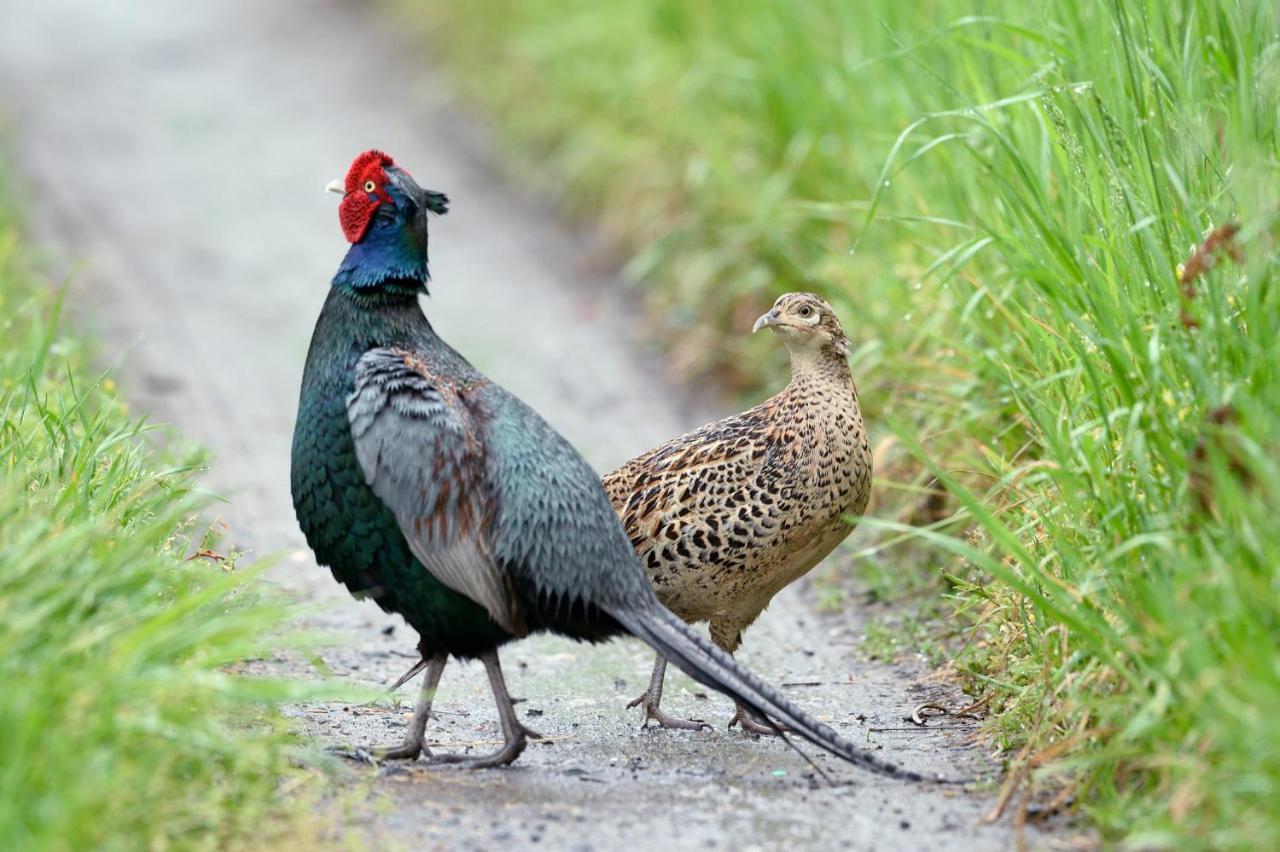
(805, 322)
(384, 216)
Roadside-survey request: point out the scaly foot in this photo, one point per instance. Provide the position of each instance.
(511, 749)
(415, 743)
(654, 712)
(751, 725)
(410, 749)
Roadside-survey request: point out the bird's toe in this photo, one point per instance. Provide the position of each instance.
(751, 725)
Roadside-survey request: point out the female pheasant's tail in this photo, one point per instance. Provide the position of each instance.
(712, 667)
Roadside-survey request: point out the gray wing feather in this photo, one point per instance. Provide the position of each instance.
(556, 531)
(418, 445)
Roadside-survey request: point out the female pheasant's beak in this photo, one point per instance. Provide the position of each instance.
(766, 320)
(338, 186)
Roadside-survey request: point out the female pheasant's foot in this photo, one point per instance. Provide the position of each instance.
(651, 701)
(752, 725)
(652, 712)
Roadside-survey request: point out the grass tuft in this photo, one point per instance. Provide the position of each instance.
(123, 727)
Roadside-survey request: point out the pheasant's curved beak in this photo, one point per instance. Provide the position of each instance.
(338, 186)
(765, 321)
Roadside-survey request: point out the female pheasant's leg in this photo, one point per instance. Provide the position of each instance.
(652, 699)
(515, 735)
(727, 633)
(415, 740)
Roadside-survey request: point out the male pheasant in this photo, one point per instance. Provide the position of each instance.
(726, 516)
(424, 485)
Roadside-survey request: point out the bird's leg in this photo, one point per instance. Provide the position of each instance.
(414, 741)
(727, 633)
(652, 699)
(515, 735)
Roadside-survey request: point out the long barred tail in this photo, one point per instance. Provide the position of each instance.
(712, 667)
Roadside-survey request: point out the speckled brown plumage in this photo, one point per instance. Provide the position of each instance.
(726, 516)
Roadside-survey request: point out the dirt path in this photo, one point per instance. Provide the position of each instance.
(176, 152)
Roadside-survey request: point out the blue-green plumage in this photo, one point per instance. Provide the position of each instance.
(350, 529)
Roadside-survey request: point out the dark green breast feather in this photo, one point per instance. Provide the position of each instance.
(349, 528)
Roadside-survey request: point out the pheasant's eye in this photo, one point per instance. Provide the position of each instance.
(370, 186)
(806, 311)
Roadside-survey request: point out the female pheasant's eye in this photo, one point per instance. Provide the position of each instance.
(370, 186)
(806, 311)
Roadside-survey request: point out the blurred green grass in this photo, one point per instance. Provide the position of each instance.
(997, 196)
(123, 726)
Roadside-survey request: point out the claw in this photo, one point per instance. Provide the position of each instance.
(502, 757)
(376, 756)
(514, 734)
(751, 725)
(355, 755)
(654, 713)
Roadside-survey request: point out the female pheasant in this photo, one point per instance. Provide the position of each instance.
(424, 485)
(726, 516)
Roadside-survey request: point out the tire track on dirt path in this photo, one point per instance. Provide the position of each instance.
(175, 154)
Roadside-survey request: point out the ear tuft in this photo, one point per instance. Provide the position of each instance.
(437, 202)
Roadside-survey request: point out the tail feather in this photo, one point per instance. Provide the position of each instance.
(712, 667)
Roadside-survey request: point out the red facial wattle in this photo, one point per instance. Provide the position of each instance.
(355, 213)
(365, 190)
